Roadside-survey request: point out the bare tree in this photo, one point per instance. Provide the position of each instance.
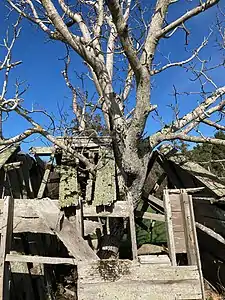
(110, 35)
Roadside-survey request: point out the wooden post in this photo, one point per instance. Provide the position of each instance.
(45, 177)
(132, 230)
(196, 247)
(6, 240)
(169, 228)
(188, 229)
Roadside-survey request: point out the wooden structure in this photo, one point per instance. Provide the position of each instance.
(98, 278)
(79, 214)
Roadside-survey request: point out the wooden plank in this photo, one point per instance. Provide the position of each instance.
(154, 259)
(65, 230)
(105, 183)
(211, 232)
(6, 240)
(133, 232)
(150, 216)
(126, 280)
(68, 186)
(90, 181)
(40, 259)
(87, 142)
(119, 209)
(179, 241)
(140, 291)
(187, 190)
(123, 270)
(197, 247)
(42, 151)
(45, 176)
(188, 229)
(169, 227)
(155, 200)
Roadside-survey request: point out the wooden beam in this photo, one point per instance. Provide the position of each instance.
(210, 232)
(42, 151)
(6, 240)
(150, 216)
(187, 190)
(40, 259)
(189, 227)
(45, 177)
(66, 231)
(119, 209)
(169, 228)
(156, 201)
(133, 232)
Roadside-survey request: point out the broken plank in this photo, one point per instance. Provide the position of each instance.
(105, 182)
(169, 227)
(42, 151)
(188, 229)
(45, 177)
(40, 259)
(119, 209)
(150, 216)
(65, 230)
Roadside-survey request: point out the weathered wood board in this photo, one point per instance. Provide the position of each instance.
(127, 280)
(105, 183)
(68, 187)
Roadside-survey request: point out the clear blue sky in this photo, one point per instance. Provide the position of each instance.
(41, 68)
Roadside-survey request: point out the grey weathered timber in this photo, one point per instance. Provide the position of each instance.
(42, 151)
(161, 259)
(133, 232)
(127, 280)
(195, 239)
(68, 186)
(86, 142)
(155, 200)
(119, 209)
(45, 177)
(105, 183)
(189, 228)
(205, 177)
(40, 259)
(65, 230)
(169, 227)
(150, 216)
(6, 240)
(6, 152)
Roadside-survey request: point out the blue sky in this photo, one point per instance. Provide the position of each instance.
(41, 69)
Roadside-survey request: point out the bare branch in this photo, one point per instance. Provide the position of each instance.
(180, 63)
(188, 15)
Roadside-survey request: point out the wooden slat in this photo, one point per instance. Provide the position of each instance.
(40, 259)
(155, 200)
(119, 209)
(197, 248)
(169, 228)
(188, 229)
(133, 232)
(42, 151)
(6, 240)
(161, 259)
(126, 280)
(87, 142)
(68, 186)
(105, 183)
(65, 230)
(150, 216)
(45, 177)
